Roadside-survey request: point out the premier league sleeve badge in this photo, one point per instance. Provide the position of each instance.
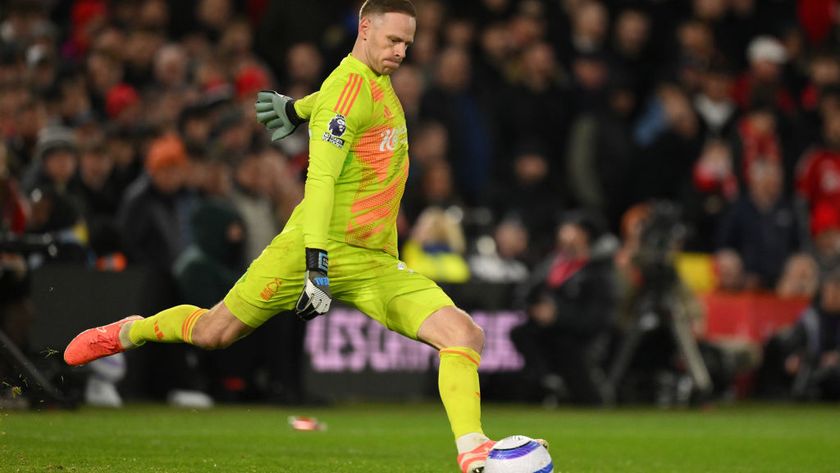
(335, 129)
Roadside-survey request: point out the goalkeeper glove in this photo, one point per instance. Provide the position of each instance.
(316, 297)
(277, 113)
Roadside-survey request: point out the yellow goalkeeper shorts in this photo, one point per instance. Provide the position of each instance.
(373, 281)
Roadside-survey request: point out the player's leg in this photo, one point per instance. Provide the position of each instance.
(460, 341)
(413, 305)
(271, 285)
(209, 329)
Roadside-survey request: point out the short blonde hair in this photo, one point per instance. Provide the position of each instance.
(375, 7)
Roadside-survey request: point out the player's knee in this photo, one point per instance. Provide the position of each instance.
(212, 337)
(475, 335)
(468, 333)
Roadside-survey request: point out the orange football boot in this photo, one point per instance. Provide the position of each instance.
(473, 461)
(96, 343)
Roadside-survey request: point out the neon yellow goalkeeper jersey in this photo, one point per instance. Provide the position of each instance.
(358, 160)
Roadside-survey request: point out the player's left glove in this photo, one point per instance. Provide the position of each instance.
(277, 113)
(316, 297)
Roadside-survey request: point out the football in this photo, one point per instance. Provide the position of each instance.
(518, 454)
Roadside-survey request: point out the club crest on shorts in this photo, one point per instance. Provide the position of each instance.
(336, 128)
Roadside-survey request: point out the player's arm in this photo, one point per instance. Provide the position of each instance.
(304, 106)
(282, 114)
(338, 116)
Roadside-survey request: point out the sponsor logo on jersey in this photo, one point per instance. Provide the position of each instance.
(391, 138)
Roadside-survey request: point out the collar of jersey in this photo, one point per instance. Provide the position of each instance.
(360, 66)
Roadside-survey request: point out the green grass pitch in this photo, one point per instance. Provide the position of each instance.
(415, 438)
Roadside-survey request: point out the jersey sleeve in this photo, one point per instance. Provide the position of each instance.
(340, 113)
(304, 106)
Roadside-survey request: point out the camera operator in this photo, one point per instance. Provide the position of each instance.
(658, 312)
(804, 360)
(571, 300)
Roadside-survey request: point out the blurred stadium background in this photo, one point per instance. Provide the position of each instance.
(639, 200)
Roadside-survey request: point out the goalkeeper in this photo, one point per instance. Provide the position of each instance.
(341, 240)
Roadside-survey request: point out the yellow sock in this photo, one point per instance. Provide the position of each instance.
(171, 325)
(459, 389)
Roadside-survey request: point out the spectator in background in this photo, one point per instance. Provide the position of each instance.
(232, 132)
(729, 269)
(122, 105)
(459, 31)
(436, 247)
(800, 278)
(122, 145)
(590, 74)
(714, 189)
(818, 177)
(824, 72)
(493, 62)
(763, 81)
(502, 258)
(56, 161)
(537, 110)
(589, 30)
(142, 44)
(631, 53)
(670, 140)
(27, 118)
(531, 198)
(430, 179)
(408, 83)
(170, 67)
(528, 24)
(252, 202)
(210, 265)
(756, 138)
(195, 124)
(103, 72)
(451, 102)
(762, 226)
(571, 300)
(69, 100)
(148, 216)
(714, 104)
(285, 188)
(825, 232)
(804, 360)
(600, 154)
(304, 67)
(100, 198)
(696, 51)
(13, 207)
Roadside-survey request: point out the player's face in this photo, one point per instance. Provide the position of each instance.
(386, 39)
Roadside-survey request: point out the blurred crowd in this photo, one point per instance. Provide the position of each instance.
(128, 138)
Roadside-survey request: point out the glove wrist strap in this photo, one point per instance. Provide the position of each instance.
(291, 113)
(317, 260)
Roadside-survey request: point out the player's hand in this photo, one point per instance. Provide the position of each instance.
(316, 297)
(277, 113)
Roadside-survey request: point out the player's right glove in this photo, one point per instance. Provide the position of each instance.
(277, 113)
(316, 297)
